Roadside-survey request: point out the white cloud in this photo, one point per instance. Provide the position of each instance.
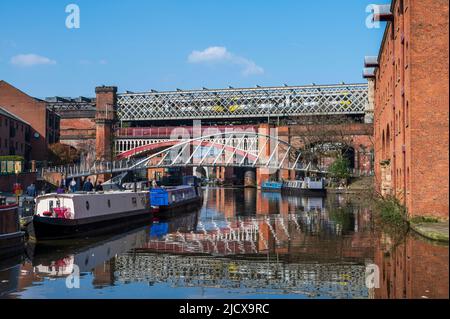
(27, 60)
(222, 55)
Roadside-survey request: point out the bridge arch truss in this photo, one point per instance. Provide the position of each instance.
(216, 150)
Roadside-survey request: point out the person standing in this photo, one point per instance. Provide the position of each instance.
(31, 190)
(73, 185)
(88, 187)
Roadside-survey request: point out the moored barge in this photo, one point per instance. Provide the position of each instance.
(308, 186)
(269, 186)
(61, 216)
(11, 237)
(172, 199)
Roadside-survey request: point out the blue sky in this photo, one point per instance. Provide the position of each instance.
(141, 45)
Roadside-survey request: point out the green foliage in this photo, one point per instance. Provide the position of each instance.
(423, 220)
(391, 212)
(391, 218)
(340, 168)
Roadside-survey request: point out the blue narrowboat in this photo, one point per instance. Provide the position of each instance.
(165, 199)
(272, 186)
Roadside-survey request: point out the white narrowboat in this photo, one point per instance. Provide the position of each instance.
(60, 216)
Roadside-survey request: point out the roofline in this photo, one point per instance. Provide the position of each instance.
(262, 88)
(383, 41)
(14, 116)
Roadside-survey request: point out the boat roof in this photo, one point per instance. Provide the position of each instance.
(83, 194)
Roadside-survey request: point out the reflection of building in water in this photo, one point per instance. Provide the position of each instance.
(269, 276)
(313, 256)
(104, 274)
(9, 280)
(413, 269)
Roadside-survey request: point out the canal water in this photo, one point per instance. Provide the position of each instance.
(242, 243)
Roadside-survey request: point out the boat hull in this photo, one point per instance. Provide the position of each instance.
(45, 228)
(174, 209)
(12, 244)
(305, 191)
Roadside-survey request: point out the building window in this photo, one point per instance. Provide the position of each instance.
(407, 114)
(407, 55)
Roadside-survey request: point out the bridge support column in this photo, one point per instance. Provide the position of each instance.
(292, 175)
(283, 135)
(105, 117)
(262, 175)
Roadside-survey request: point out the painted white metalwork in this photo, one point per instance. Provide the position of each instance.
(224, 151)
(244, 103)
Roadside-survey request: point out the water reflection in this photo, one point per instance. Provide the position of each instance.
(241, 243)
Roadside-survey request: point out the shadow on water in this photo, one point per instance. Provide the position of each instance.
(243, 243)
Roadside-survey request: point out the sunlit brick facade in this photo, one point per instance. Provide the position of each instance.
(411, 106)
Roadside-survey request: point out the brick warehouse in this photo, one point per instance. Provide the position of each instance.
(410, 80)
(44, 121)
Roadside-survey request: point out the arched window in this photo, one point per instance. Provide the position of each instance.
(388, 139)
(407, 114)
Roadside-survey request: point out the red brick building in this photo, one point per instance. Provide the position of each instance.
(44, 122)
(14, 135)
(410, 79)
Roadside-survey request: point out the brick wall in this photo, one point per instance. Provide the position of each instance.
(18, 143)
(411, 106)
(34, 112)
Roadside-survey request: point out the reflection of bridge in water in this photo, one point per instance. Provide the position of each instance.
(311, 279)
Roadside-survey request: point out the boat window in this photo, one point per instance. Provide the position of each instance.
(109, 203)
(173, 197)
(87, 205)
(134, 201)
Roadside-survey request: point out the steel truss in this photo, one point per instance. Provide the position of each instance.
(217, 150)
(244, 103)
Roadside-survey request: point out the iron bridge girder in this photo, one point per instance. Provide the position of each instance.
(244, 103)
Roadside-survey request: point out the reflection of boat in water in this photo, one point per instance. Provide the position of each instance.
(9, 278)
(59, 260)
(60, 216)
(11, 237)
